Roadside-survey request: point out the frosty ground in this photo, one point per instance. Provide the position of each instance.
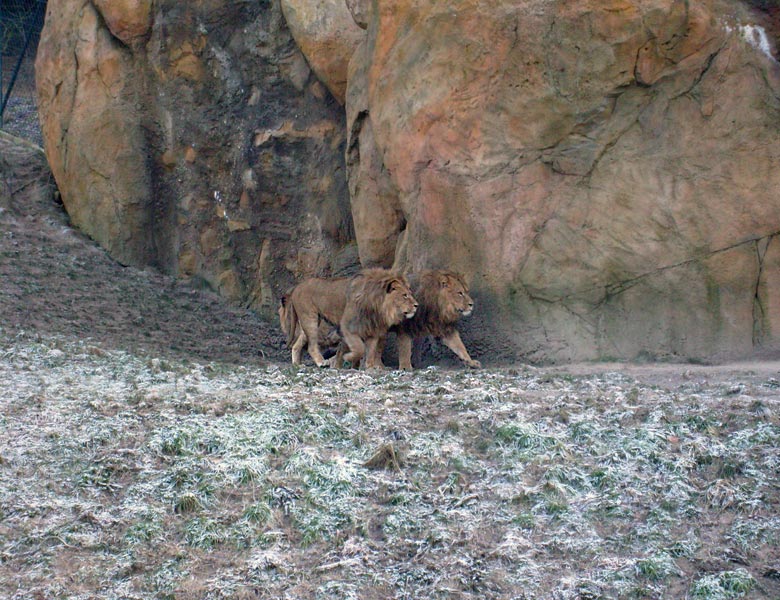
(154, 443)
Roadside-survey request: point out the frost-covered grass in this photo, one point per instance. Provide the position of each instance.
(129, 476)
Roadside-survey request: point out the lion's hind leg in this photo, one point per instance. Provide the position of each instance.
(297, 348)
(357, 349)
(310, 326)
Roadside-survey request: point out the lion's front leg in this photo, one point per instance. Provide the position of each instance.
(404, 351)
(374, 348)
(454, 343)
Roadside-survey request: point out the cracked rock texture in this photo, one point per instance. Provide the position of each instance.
(194, 138)
(603, 172)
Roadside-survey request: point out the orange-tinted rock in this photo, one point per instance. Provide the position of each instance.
(153, 145)
(327, 35)
(128, 20)
(602, 171)
(376, 209)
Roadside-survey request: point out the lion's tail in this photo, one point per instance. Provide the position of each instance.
(292, 323)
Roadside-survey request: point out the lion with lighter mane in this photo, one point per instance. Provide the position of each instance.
(377, 299)
(311, 312)
(444, 298)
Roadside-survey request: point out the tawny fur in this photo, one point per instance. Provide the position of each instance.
(376, 300)
(310, 312)
(329, 335)
(444, 298)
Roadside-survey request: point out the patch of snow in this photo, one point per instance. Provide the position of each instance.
(755, 35)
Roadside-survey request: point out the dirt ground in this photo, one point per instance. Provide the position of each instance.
(55, 280)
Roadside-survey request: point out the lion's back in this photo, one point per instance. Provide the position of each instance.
(326, 297)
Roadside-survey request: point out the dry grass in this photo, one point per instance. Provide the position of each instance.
(128, 476)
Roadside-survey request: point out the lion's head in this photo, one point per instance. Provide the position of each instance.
(398, 302)
(446, 294)
(381, 299)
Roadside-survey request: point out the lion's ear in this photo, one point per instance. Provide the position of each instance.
(283, 300)
(389, 287)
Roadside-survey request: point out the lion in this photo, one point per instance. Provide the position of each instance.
(328, 335)
(444, 299)
(310, 312)
(377, 299)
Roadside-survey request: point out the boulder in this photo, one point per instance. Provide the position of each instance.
(603, 172)
(128, 20)
(192, 137)
(327, 35)
(376, 210)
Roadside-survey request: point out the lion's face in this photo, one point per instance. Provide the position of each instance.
(454, 299)
(398, 303)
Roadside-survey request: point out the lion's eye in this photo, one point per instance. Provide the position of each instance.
(461, 293)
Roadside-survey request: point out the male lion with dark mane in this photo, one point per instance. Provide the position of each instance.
(311, 311)
(444, 298)
(377, 299)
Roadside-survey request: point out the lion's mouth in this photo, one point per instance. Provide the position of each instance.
(466, 312)
(410, 313)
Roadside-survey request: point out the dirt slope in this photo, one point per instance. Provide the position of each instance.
(56, 280)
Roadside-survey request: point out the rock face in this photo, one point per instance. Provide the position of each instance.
(327, 35)
(194, 138)
(603, 172)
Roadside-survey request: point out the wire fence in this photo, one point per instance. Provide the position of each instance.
(21, 22)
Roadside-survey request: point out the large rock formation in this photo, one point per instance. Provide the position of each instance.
(193, 137)
(604, 172)
(327, 35)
